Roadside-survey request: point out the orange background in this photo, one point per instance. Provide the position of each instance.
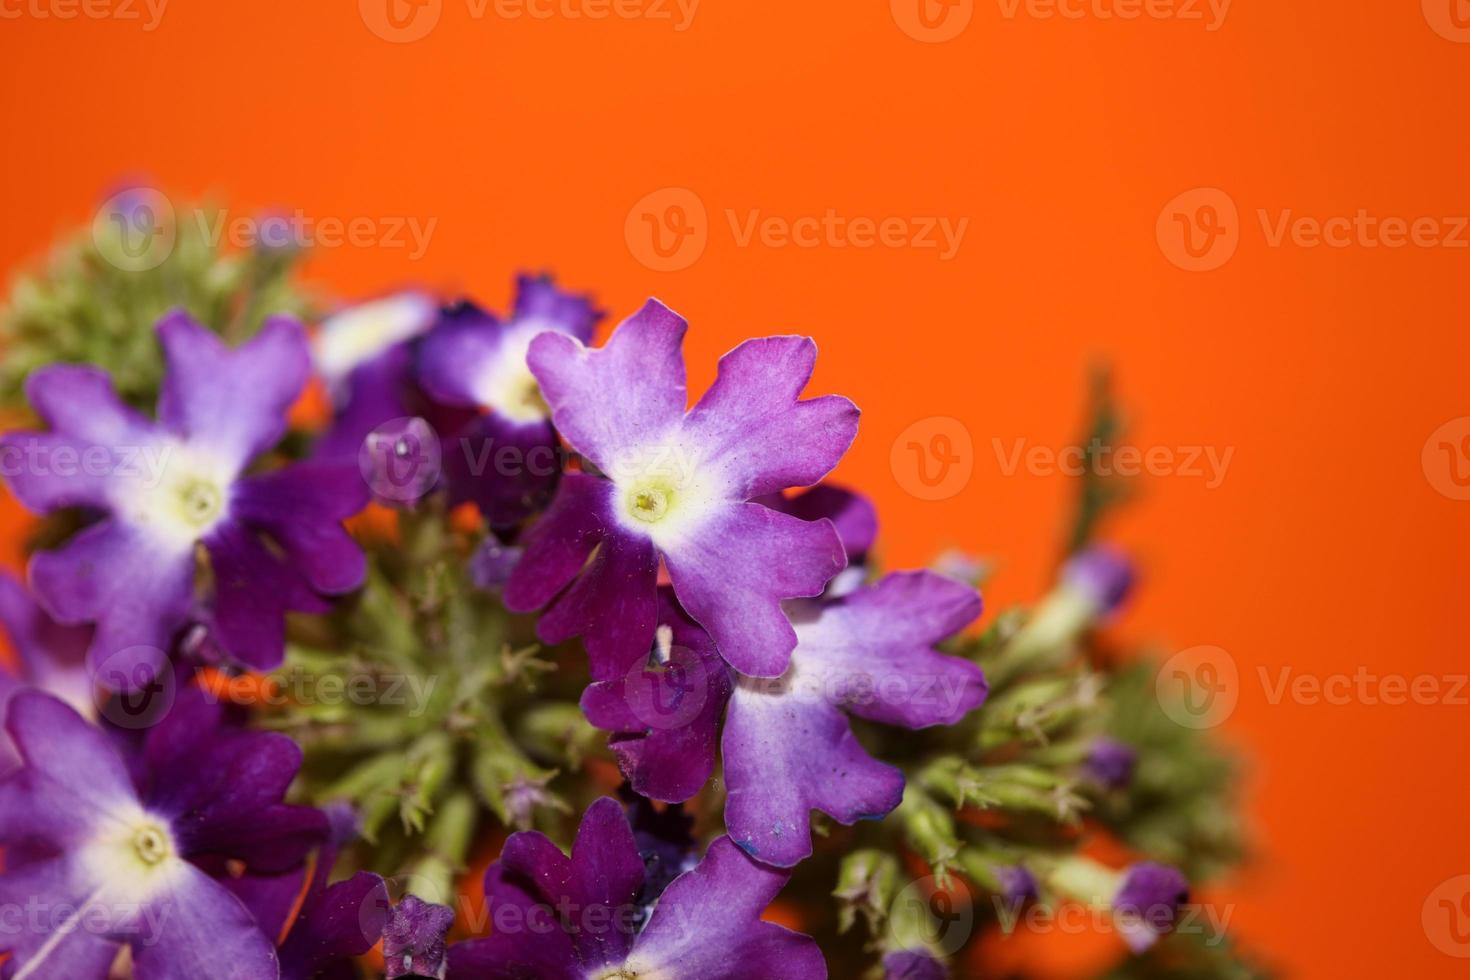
(1326, 548)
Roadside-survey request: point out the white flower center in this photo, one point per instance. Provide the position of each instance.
(132, 855)
(358, 335)
(179, 496)
(507, 385)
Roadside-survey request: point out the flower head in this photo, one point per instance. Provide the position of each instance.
(413, 941)
(505, 460)
(168, 488)
(787, 745)
(136, 861)
(1110, 763)
(679, 485)
(1104, 576)
(560, 917)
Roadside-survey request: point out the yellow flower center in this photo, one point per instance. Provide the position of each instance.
(151, 844)
(650, 502)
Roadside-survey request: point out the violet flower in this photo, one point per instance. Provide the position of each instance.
(1102, 575)
(1018, 886)
(679, 485)
(787, 745)
(555, 917)
(506, 460)
(1147, 902)
(913, 964)
(165, 488)
(855, 518)
(108, 861)
(413, 940)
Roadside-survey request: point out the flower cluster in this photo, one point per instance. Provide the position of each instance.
(574, 579)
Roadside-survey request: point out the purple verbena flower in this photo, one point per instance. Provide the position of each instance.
(556, 917)
(678, 484)
(165, 488)
(1148, 901)
(125, 862)
(1104, 576)
(787, 745)
(492, 563)
(413, 942)
(1110, 763)
(506, 459)
(913, 964)
(1018, 886)
(855, 518)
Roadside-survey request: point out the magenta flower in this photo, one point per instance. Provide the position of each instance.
(680, 485)
(109, 861)
(787, 745)
(1148, 901)
(505, 460)
(165, 488)
(556, 917)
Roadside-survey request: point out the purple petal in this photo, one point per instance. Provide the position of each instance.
(752, 428)
(787, 751)
(707, 925)
(872, 651)
(253, 591)
(526, 943)
(611, 402)
(301, 507)
(342, 921)
(1148, 901)
(374, 393)
(734, 568)
(1110, 763)
(539, 299)
(493, 562)
(138, 592)
(558, 545)
(669, 710)
(53, 655)
(854, 515)
(72, 776)
(203, 931)
(413, 940)
(233, 401)
(72, 951)
(80, 401)
(912, 964)
(612, 605)
(1103, 575)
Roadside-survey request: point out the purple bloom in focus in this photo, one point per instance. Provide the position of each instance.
(413, 942)
(52, 658)
(506, 459)
(1148, 902)
(1103, 575)
(788, 747)
(679, 485)
(364, 354)
(911, 964)
(165, 488)
(555, 917)
(134, 860)
(1110, 763)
